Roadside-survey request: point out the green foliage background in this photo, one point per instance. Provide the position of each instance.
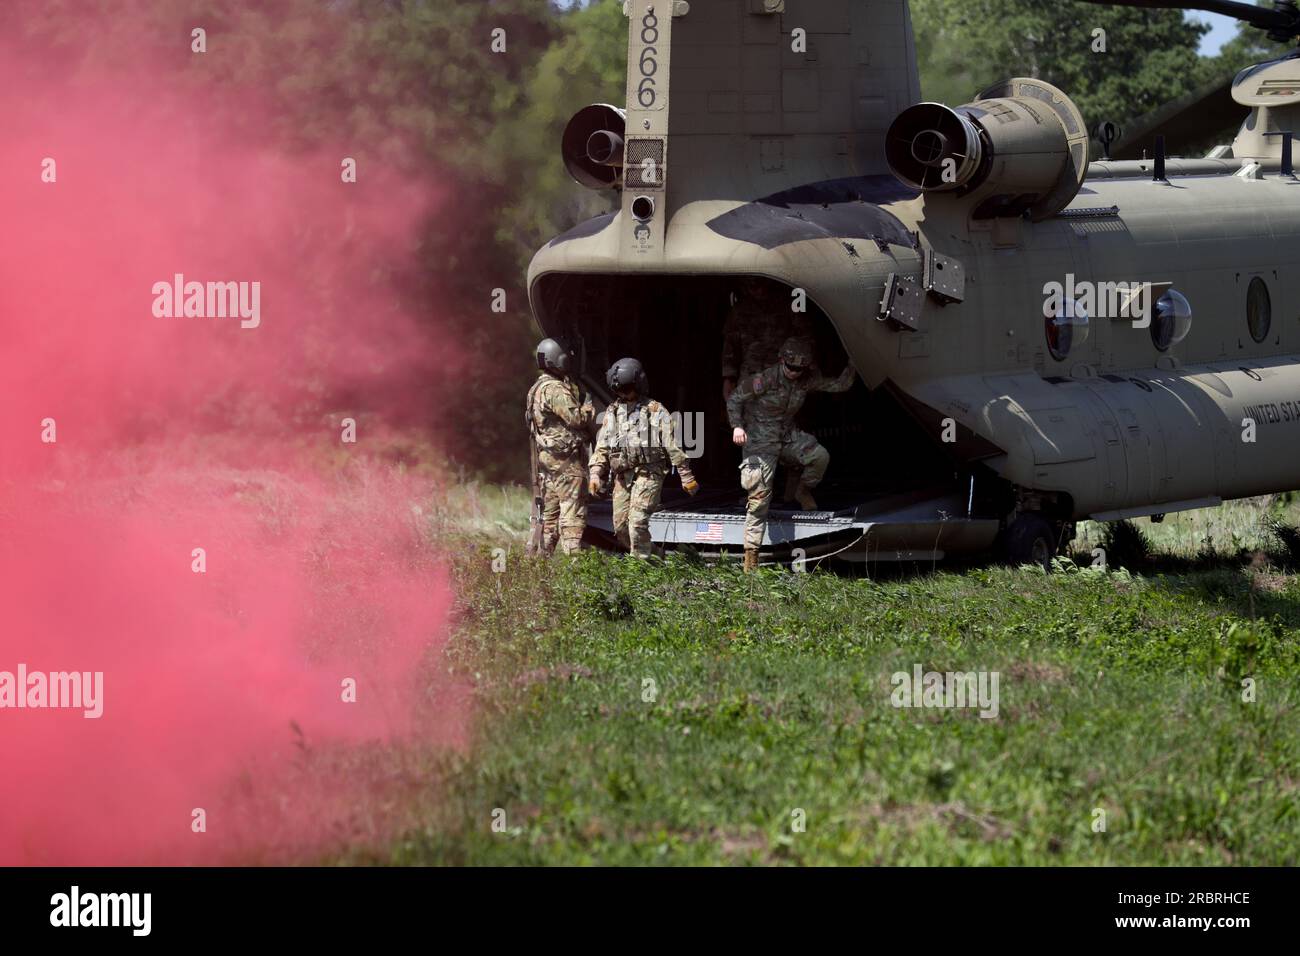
(1150, 56)
(417, 83)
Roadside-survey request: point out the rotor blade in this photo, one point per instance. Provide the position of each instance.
(1185, 120)
(1282, 23)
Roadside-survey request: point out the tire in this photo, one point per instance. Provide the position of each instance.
(1030, 540)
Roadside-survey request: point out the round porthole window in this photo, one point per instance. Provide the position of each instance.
(1259, 309)
(1066, 328)
(1172, 320)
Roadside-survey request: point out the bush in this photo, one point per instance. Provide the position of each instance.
(1125, 545)
(1288, 538)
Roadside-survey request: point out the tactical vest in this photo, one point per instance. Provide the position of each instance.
(633, 438)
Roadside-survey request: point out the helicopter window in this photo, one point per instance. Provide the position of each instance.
(1066, 328)
(1259, 309)
(1172, 320)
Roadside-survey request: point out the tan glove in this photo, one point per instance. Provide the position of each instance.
(689, 484)
(593, 486)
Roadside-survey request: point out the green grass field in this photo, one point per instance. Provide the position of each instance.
(675, 712)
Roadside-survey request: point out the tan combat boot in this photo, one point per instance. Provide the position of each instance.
(751, 560)
(804, 496)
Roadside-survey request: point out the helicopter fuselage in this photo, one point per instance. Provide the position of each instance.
(1115, 425)
(1103, 341)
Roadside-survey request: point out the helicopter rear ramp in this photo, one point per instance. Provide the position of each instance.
(911, 526)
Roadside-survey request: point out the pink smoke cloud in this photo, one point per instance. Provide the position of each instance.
(222, 689)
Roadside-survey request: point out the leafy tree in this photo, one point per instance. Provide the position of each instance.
(586, 64)
(1150, 55)
(418, 86)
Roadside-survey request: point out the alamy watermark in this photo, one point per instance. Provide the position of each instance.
(642, 429)
(74, 690)
(209, 300)
(947, 690)
(75, 908)
(1102, 300)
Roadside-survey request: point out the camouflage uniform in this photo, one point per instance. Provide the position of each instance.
(560, 422)
(753, 333)
(765, 405)
(636, 443)
(751, 338)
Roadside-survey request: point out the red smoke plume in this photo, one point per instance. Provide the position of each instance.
(222, 690)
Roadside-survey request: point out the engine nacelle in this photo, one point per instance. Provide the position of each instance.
(1021, 146)
(592, 146)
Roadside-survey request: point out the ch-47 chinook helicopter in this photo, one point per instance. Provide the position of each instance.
(943, 250)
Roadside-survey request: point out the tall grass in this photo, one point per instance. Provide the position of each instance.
(678, 712)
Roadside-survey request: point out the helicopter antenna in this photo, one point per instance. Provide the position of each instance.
(1282, 22)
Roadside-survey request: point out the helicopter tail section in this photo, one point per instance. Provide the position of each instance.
(772, 94)
(740, 99)
(645, 163)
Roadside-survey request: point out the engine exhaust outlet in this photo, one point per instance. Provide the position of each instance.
(592, 146)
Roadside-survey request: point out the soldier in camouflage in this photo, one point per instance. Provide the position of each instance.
(751, 337)
(755, 328)
(762, 411)
(637, 446)
(560, 421)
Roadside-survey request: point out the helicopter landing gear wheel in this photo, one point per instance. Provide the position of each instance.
(1030, 540)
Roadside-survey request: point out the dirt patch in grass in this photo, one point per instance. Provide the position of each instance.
(954, 815)
(1036, 671)
(1274, 582)
(542, 675)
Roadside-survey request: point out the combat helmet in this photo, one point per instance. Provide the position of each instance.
(554, 357)
(796, 355)
(628, 373)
